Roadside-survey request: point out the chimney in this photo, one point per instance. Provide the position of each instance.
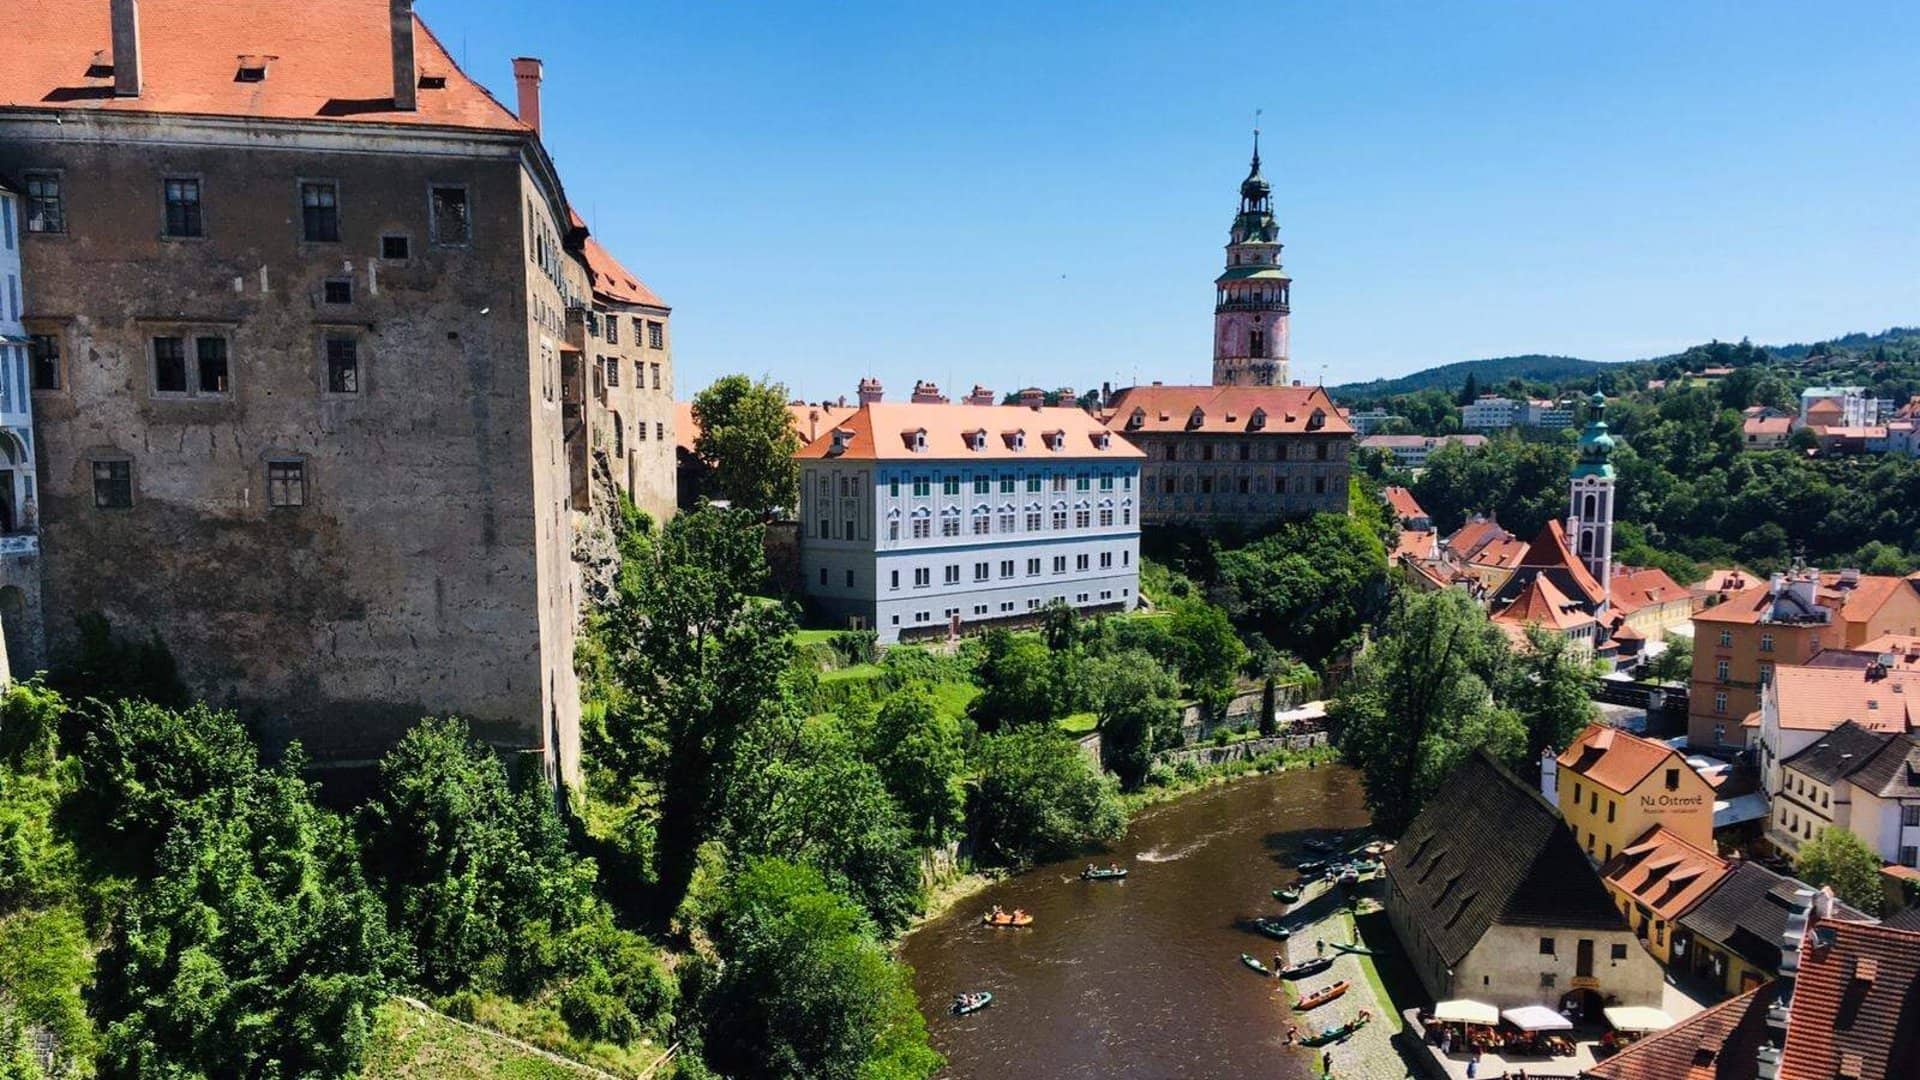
(404, 77)
(927, 393)
(126, 48)
(526, 78)
(870, 391)
(1033, 397)
(980, 396)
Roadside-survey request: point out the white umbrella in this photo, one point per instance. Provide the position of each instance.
(1462, 1011)
(1536, 1018)
(1638, 1018)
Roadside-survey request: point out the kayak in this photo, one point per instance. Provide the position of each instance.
(1247, 959)
(1335, 1034)
(1357, 950)
(1321, 997)
(1307, 968)
(1007, 918)
(971, 1003)
(1273, 929)
(1308, 866)
(1286, 896)
(1366, 866)
(1103, 875)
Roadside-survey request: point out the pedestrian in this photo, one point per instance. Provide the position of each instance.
(1326, 1062)
(1473, 1067)
(1319, 947)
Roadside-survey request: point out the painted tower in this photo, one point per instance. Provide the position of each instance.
(1251, 297)
(1590, 499)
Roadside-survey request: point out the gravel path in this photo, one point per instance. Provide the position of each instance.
(1368, 1054)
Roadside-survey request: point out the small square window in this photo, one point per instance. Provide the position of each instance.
(337, 291)
(1546, 946)
(396, 248)
(44, 349)
(46, 206)
(343, 365)
(320, 212)
(113, 485)
(1617, 952)
(212, 355)
(169, 365)
(286, 483)
(452, 225)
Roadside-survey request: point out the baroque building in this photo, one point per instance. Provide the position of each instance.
(311, 326)
(1251, 296)
(19, 494)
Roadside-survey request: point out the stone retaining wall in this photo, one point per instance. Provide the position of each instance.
(1251, 748)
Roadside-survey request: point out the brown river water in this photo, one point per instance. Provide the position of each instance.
(1138, 978)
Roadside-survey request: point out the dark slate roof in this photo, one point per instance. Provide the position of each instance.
(1748, 913)
(1904, 919)
(1839, 752)
(1488, 849)
(1893, 772)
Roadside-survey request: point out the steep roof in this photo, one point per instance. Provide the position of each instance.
(1541, 604)
(1749, 912)
(1630, 588)
(1616, 759)
(1223, 410)
(1549, 551)
(612, 281)
(1500, 553)
(1839, 752)
(324, 62)
(1718, 1043)
(1893, 771)
(1664, 872)
(1488, 849)
(1474, 535)
(1415, 544)
(1405, 506)
(1823, 698)
(1856, 1004)
(884, 431)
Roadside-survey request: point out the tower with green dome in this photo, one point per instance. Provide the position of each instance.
(1590, 501)
(1251, 296)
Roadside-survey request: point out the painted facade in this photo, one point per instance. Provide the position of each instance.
(1253, 296)
(20, 615)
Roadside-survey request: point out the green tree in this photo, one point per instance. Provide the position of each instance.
(1039, 797)
(1675, 662)
(921, 755)
(1550, 686)
(1310, 587)
(106, 666)
(1136, 702)
(747, 442)
(1838, 858)
(1210, 652)
(803, 989)
(1019, 682)
(701, 661)
(1420, 701)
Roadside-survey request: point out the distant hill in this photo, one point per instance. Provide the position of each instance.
(1488, 373)
(1892, 338)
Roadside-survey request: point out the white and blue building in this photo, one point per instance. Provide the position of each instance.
(23, 369)
(921, 520)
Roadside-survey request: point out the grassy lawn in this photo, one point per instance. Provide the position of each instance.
(408, 1044)
(812, 637)
(1392, 978)
(1079, 723)
(952, 698)
(857, 671)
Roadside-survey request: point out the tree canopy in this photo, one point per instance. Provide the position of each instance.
(747, 442)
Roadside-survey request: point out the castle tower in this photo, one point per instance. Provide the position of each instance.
(1251, 297)
(1590, 499)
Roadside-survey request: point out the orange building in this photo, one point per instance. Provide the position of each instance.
(1613, 786)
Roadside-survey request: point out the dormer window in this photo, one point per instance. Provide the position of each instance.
(1056, 440)
(1137, 418)
(977, 440)
(252, 69)
(841, 437)
(1258, 420)
(1318, 420)
(1196, 417)
(916, 440)
(1016, 440)
(1101, 439)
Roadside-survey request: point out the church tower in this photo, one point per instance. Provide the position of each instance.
(1590, 501)
(1250, 298)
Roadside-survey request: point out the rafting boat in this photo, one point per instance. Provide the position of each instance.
(1112, 874)
(1248, 959)
(1336, 1034)
(971, 1003)
(1321, 996)
(1273, 928)
(1286, 896)
(1366, 866)
(1349, 876)
(1007, 918)
(1307, 968)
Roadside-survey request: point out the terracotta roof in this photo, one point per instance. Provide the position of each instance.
(1855, 1011)
(1664, 872)
(1549, 551)
(1821, 699)
(329, 62)
(611, 280)
(1237, 410)
(1729, 580)
(1631, 588)
(886, 431)
(1405, 506)
(1475, 535)
(1769, 425)
(1541, 604)
(1616, 759)
(1488, 849)
(1719, 1043)
(1840, 752)
(1416, 544)
(1500, 553)
(1857, 602)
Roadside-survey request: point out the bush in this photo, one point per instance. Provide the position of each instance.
(854, 646)
(1040, 797)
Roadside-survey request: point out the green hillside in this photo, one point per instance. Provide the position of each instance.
(1488, 373)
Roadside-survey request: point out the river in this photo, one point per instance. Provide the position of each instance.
(1139, 978)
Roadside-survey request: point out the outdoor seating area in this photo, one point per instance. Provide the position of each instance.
(1472, 1039)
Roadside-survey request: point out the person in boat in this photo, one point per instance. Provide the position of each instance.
(1319, 947)
(1090, 868)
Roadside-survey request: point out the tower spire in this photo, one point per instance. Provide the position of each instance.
(1256, 140)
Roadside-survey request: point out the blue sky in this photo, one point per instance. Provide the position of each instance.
(1018, 193)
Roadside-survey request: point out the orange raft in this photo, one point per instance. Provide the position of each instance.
(1321, 997)
(1007, 918)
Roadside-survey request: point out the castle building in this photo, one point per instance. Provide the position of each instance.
(923, 519)
(312, 321)
(1251, 296)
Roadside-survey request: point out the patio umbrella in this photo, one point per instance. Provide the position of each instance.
(1536, 1018)
(1637, 1018)
(1462, 1011)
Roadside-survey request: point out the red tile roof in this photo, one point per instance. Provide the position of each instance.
(1405, 506)
(1632, 588)
(1541, 604)
(1617, 760)
(1854, 999)
(1288, 410)
(809, 421)
(1474, 535)
(1719, 1043)
(1415, 544)
(1778, 426)
(1549, 551)
(884, 432)
(1823, 698)
(1664, 872)
(328, 61)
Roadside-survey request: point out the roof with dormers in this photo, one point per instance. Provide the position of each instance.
(1855, 1011)
(1616, 759)
(1541, 604)
(886, 431)
(1821, 699)
(1631, 588)
(1226, 410)
(1664, 872)
(1719, 1043)
(329, 62)
(1550, 552)
(1404, 505)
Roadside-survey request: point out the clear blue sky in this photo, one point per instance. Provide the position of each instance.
(1018, 193)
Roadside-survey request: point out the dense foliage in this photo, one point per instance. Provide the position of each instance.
(1839, 858)
(1310, 587)
(1040, 797)
(747, 442)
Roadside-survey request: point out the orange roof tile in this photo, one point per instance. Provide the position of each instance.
(883, 431)
(1665, 872)
(1474, 535)
(1549, 551)
(1849, 1018)
(326, 62)
(1821, 699)
(1404, 505)
(1286, 410)
(1416, 544)
(809, 421)
(1500, 553)
(1617, 760)
(1631, 588)
(1769, 425)
(1541, 604)
(1718, 1043)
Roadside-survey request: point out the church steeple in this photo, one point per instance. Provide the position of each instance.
(1590, 495)
(1251, 298)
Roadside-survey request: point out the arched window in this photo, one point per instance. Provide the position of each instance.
(1256, 342)
(1588, 513)
(619, 437)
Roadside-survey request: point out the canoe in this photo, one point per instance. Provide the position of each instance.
(1349, 876)
(1321, 996)
(1306, 968)
(1247, 959)
(1357, 950)
(1308, 866)
(1366, 866)
(1286, 896)
(1335, 1034)
(1006, 918)
(1102, 875)
(962, 1006)
(1273, 929)
(1317, 845)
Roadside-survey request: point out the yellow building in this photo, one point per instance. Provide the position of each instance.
(1613, 786)
(1657, 879)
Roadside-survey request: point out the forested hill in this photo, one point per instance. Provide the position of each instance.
(1492, 372)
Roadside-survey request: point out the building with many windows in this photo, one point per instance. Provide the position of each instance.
(311, 330)
(1239, 456)
(1412, 451)
(19, 495)
(632, 428)
(923, 519)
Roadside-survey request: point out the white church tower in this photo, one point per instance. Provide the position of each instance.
(1590, 501)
